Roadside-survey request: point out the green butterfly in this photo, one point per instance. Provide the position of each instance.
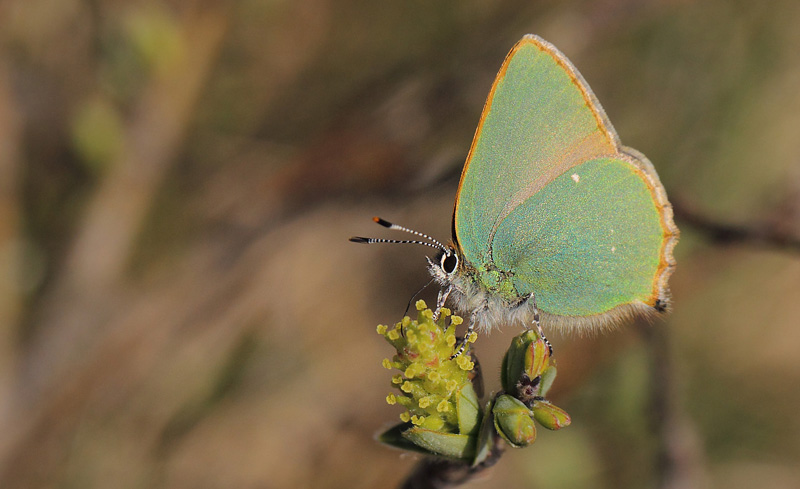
(555, 222)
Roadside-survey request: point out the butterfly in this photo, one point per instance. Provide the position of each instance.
(555, 222)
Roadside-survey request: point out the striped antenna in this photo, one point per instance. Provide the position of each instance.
(395, 227)
(361, 239)
(431, 242)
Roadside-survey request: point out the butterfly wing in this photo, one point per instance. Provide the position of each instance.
(516, 211)
(593, 246)
(538, 120)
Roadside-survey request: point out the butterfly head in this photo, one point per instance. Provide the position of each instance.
(448, 260)
(454, 274)
(445, 265)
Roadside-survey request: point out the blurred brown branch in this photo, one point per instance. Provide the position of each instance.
(10, 237)
(680, 460)
(770, 233)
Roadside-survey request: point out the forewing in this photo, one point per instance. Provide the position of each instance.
(540, 119)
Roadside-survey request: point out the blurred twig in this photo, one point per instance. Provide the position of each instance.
(10, 240)
(679, 458)
(761, 233)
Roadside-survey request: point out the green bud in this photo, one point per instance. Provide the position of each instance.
(513, 421)
(525, 361)
(514, 360)
(550, 416)
(537, 358)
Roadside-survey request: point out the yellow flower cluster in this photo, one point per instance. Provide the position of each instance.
(430, 377)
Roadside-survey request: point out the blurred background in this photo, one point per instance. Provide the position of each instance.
(180, 307)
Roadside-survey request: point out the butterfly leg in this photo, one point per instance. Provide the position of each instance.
(470, 330)
(537, 323)
(463, 342)
(440, 300)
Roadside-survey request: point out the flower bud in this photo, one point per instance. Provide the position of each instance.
(525, 361)
(550, 416)
(537, 358)
(513, 421)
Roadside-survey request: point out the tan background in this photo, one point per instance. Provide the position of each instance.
(180, 307)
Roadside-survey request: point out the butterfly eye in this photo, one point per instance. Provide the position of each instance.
(449, 263)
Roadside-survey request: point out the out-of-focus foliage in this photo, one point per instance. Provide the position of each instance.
(180, 307)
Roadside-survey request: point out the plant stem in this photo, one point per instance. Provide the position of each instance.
(440, 473)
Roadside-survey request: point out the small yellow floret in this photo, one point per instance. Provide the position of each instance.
(405, 417)
(434, 376)
(420, 305)
(387, 364)
(424, 402)
(472, 338)
(443, 406)
(450, 340)
(464, 363)
(393, 335)
(391, 399)
(451, 385)
(382, 329)
(406, 387)
(417, 420)
(456, 320)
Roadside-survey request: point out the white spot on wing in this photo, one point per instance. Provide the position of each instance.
(613, 249)
(576, 177)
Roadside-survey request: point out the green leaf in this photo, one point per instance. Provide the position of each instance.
(394, 438)
(450, 445)
(548, 376)
(485, 435)
(469, 412)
